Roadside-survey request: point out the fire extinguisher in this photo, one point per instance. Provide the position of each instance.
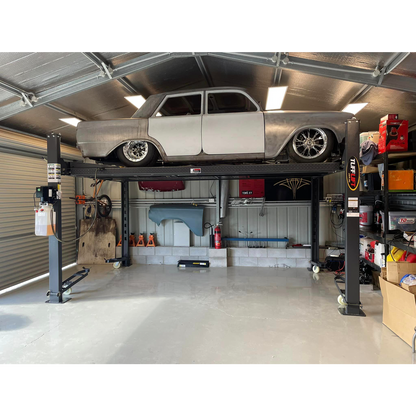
(217, 232)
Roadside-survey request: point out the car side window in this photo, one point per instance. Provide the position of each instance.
(229, 102)
(186, 105)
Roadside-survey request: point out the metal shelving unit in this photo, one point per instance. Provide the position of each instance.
(386, 194)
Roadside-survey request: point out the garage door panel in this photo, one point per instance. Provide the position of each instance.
(22, 254)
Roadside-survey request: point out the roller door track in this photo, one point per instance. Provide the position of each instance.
(22, 254)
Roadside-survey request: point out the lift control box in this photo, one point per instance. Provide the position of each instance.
(46, 194)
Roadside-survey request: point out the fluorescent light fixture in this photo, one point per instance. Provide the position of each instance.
(275, 98)
(35, 279)
(136, 100)
(71, 121)
(354, 108)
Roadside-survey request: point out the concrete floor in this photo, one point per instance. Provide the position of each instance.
(160, 314)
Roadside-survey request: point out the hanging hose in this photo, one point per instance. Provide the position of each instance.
(92, 224)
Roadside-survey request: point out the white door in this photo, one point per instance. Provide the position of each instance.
(233, 124)
(178, 126)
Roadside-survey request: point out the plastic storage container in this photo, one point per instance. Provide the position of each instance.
(401, 220)
(43, 218)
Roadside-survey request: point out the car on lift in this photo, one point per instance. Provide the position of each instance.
(212, 125)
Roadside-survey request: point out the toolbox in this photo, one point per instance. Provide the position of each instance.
(393, 136)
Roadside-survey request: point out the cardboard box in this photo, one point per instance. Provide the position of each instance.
(393, 136)
(374, 136)
(411, 289)
(397, 269)
(369, 169)
(399, 310)
(402, 180)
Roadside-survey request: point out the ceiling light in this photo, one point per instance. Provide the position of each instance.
(354, 108)
(71, 121)
(275, 98)
(136, 100)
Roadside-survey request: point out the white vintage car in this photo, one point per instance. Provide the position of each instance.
(212, 124)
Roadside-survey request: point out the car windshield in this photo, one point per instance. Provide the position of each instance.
(149, 107)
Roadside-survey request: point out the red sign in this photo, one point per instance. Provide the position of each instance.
(251, 188)
(161, 186)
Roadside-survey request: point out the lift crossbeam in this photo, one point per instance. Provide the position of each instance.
(202, 172)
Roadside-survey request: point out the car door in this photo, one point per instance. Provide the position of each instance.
(232, 124)
(176, 124)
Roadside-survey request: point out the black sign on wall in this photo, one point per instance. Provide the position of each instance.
(290, 189)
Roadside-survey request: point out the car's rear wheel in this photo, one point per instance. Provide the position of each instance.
(137, 153)
(311, 145)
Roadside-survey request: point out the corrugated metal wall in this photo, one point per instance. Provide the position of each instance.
(290, 220)
(22, 254)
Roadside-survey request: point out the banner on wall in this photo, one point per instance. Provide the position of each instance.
(161, 186)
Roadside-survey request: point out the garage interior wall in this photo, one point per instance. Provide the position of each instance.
(291, 219)
(22, 254)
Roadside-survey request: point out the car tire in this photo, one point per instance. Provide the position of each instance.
(137, 153)
(323, 139)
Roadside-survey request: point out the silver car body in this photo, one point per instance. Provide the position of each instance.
(254, 135)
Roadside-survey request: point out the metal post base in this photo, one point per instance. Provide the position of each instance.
(56, 298)
(351, 310)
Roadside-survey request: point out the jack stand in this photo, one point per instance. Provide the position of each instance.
(132, 240)
(141, 243)
(151, 242)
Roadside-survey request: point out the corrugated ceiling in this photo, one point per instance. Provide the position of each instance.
(38, 72)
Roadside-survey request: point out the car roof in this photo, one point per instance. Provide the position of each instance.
(199, 90)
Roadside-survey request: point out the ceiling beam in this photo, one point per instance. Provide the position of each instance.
(89, 81)
(344, 73)
(368, 78)
(391, 63)
(28, 98)
(204, 70)
(107, 70)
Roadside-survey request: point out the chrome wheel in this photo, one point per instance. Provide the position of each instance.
(310, 143)
(135, 151)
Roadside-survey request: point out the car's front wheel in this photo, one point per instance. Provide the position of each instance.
(137, 153)
(312, 145)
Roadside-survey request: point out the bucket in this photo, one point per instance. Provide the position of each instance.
(366, 215)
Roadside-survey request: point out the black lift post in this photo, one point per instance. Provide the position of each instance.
(352, 229)
(125, 224)
(315, 222)
(55, 246)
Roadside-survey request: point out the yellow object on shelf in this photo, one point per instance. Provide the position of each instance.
(397, 254)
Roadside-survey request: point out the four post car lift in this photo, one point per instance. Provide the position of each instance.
(349, 164)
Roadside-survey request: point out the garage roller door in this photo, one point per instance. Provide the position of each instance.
(22, 254)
